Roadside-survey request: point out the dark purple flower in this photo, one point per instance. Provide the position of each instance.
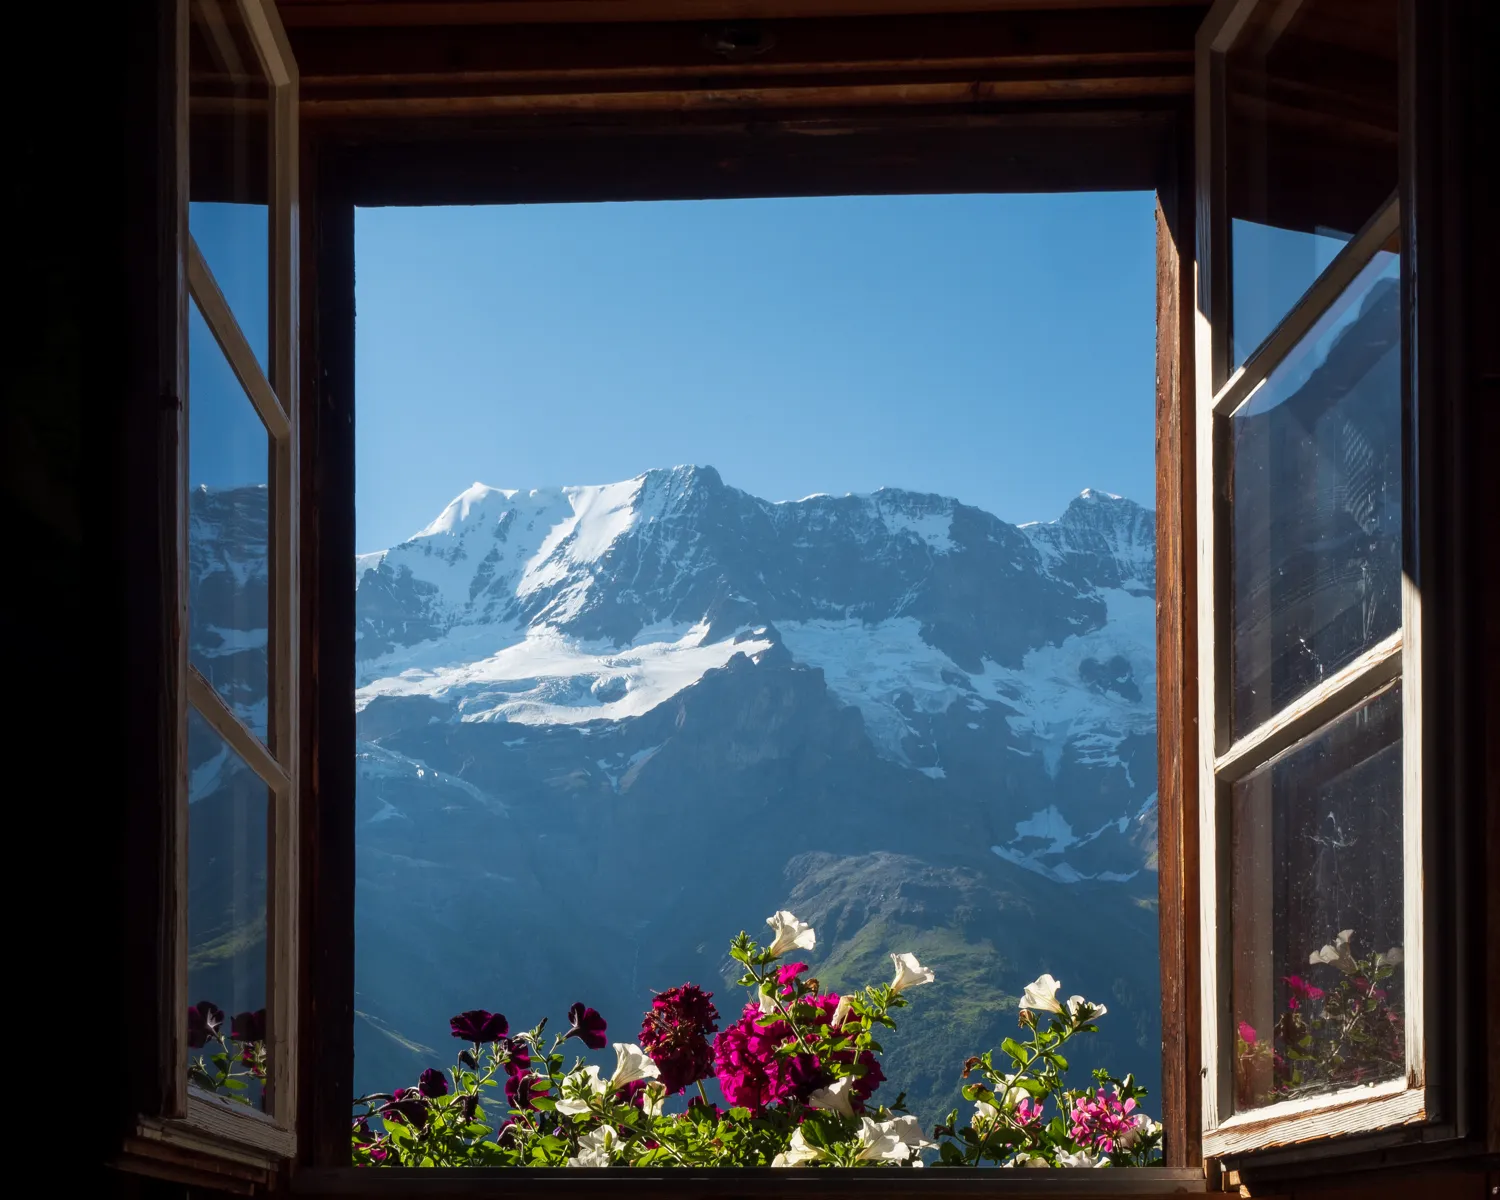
(467, 1058)
(633, 1092)
(479, 1025)
(518, 1089)
(517, 1056)
(587, 1026)
(468, 1105)
(407, 1105)
(249, 1027)
(205, 1019)
(432, 1083)
(675, 1034)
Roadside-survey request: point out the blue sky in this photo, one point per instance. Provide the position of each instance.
(994, 348)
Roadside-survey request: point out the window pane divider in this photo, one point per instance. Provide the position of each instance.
(236, 347)
(1327, 288)
(1337, 694)
(222, 719)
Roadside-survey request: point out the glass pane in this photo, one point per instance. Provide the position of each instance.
(228, 560)
(228, 811)
(1317, 912)
(229, 128)
(1311, 125)
(1316, 502)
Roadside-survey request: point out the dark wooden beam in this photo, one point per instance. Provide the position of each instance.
(948, 152)
(348, 14)
(1028, 57)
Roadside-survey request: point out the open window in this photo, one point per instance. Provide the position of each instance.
(232, 896)
(1311, 792)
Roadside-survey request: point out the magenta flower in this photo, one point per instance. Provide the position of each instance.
(479, 1025)
(787, 974)
(675, 1034)
(587, 1026)
(752, 1075)
(433, 1083)
(1301, 990)
(205, 1019)
(1247, 1033)
(1101, 1120)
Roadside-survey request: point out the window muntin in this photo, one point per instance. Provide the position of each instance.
(1306, 608)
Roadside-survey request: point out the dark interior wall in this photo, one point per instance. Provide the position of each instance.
(79, 189)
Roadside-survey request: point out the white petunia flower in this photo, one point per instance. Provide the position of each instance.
(595, 1148)
(1080, 1010)
(767, 1003)
(1337, 953)
(1391, 958)
(840, 1012)
(577, 1089)
(909, 972)
(1083, 1158)
(834, 1097)
(1027, 1160)
(791, 934)
(653, 1098)
(878, 1143)
(797, 1153)
(1041, 995)
(631, 1063)
(909, 1130)
(985, 1111)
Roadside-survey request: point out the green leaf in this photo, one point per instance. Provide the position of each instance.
(1013, 1048)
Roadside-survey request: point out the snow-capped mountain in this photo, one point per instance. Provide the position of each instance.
(603, 728)
(940, 624)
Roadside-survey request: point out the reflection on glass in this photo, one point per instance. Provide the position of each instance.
(1317, 912)
(229, 128)
(228, 810)
(1311, 124)
(228, 563)
(1316, 496)
(1273, 268)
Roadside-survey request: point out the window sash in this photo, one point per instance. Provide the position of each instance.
(1224, 760)
(194, 1121)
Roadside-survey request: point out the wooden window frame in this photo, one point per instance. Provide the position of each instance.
(1144, 149)
(190, 1133)
(1094, 142)
(1425, 1105)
